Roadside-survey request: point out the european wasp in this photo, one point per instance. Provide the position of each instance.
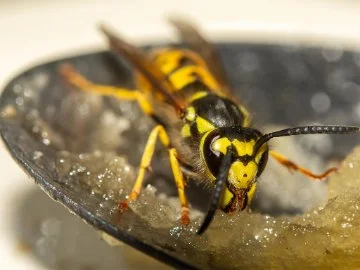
(205, 129)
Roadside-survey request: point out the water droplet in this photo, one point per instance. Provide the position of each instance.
(46, 141)
(19, 101)
(8, 111)
(17, 88)
(50, 227)
(346, 225)
(28, 93)
(332, 55)
(350, 91)
(248, 61)
(175, 231)
(41, 80)
(37, 155)
(320, 102)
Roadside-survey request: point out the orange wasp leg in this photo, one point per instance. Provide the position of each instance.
(76, 79)
(180, 184)
(292, 166)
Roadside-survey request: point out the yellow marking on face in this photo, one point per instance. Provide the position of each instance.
(203, 125)
(260, 153)
(242, 176)
(226, 198)
(201, 148)
(221, 145)
(251, 193)
(190, 114)
(198, 95)
(185, 131)
(244, 148)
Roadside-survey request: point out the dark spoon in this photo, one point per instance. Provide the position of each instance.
(264, 70)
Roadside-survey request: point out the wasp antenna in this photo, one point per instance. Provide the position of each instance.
(306, 130)
(219, 187)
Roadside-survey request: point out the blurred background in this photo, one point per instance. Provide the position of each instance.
(33, 32)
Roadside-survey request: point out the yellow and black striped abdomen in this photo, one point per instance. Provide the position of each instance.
(184, 69)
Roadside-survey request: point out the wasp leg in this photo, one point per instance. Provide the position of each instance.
(292, 166)
(180, 184)
(76, 79)
(159, 132)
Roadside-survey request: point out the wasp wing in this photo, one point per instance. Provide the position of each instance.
(151, 72)
(191, 35)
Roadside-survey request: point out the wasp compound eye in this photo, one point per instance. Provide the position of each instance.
(214, 149)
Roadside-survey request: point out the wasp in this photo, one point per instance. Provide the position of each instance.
(206, 131)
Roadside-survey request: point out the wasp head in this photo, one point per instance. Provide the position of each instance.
(247, 163)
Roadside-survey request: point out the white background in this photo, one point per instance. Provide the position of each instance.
(36, 31)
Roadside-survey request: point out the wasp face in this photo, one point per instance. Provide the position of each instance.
(246, 164)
